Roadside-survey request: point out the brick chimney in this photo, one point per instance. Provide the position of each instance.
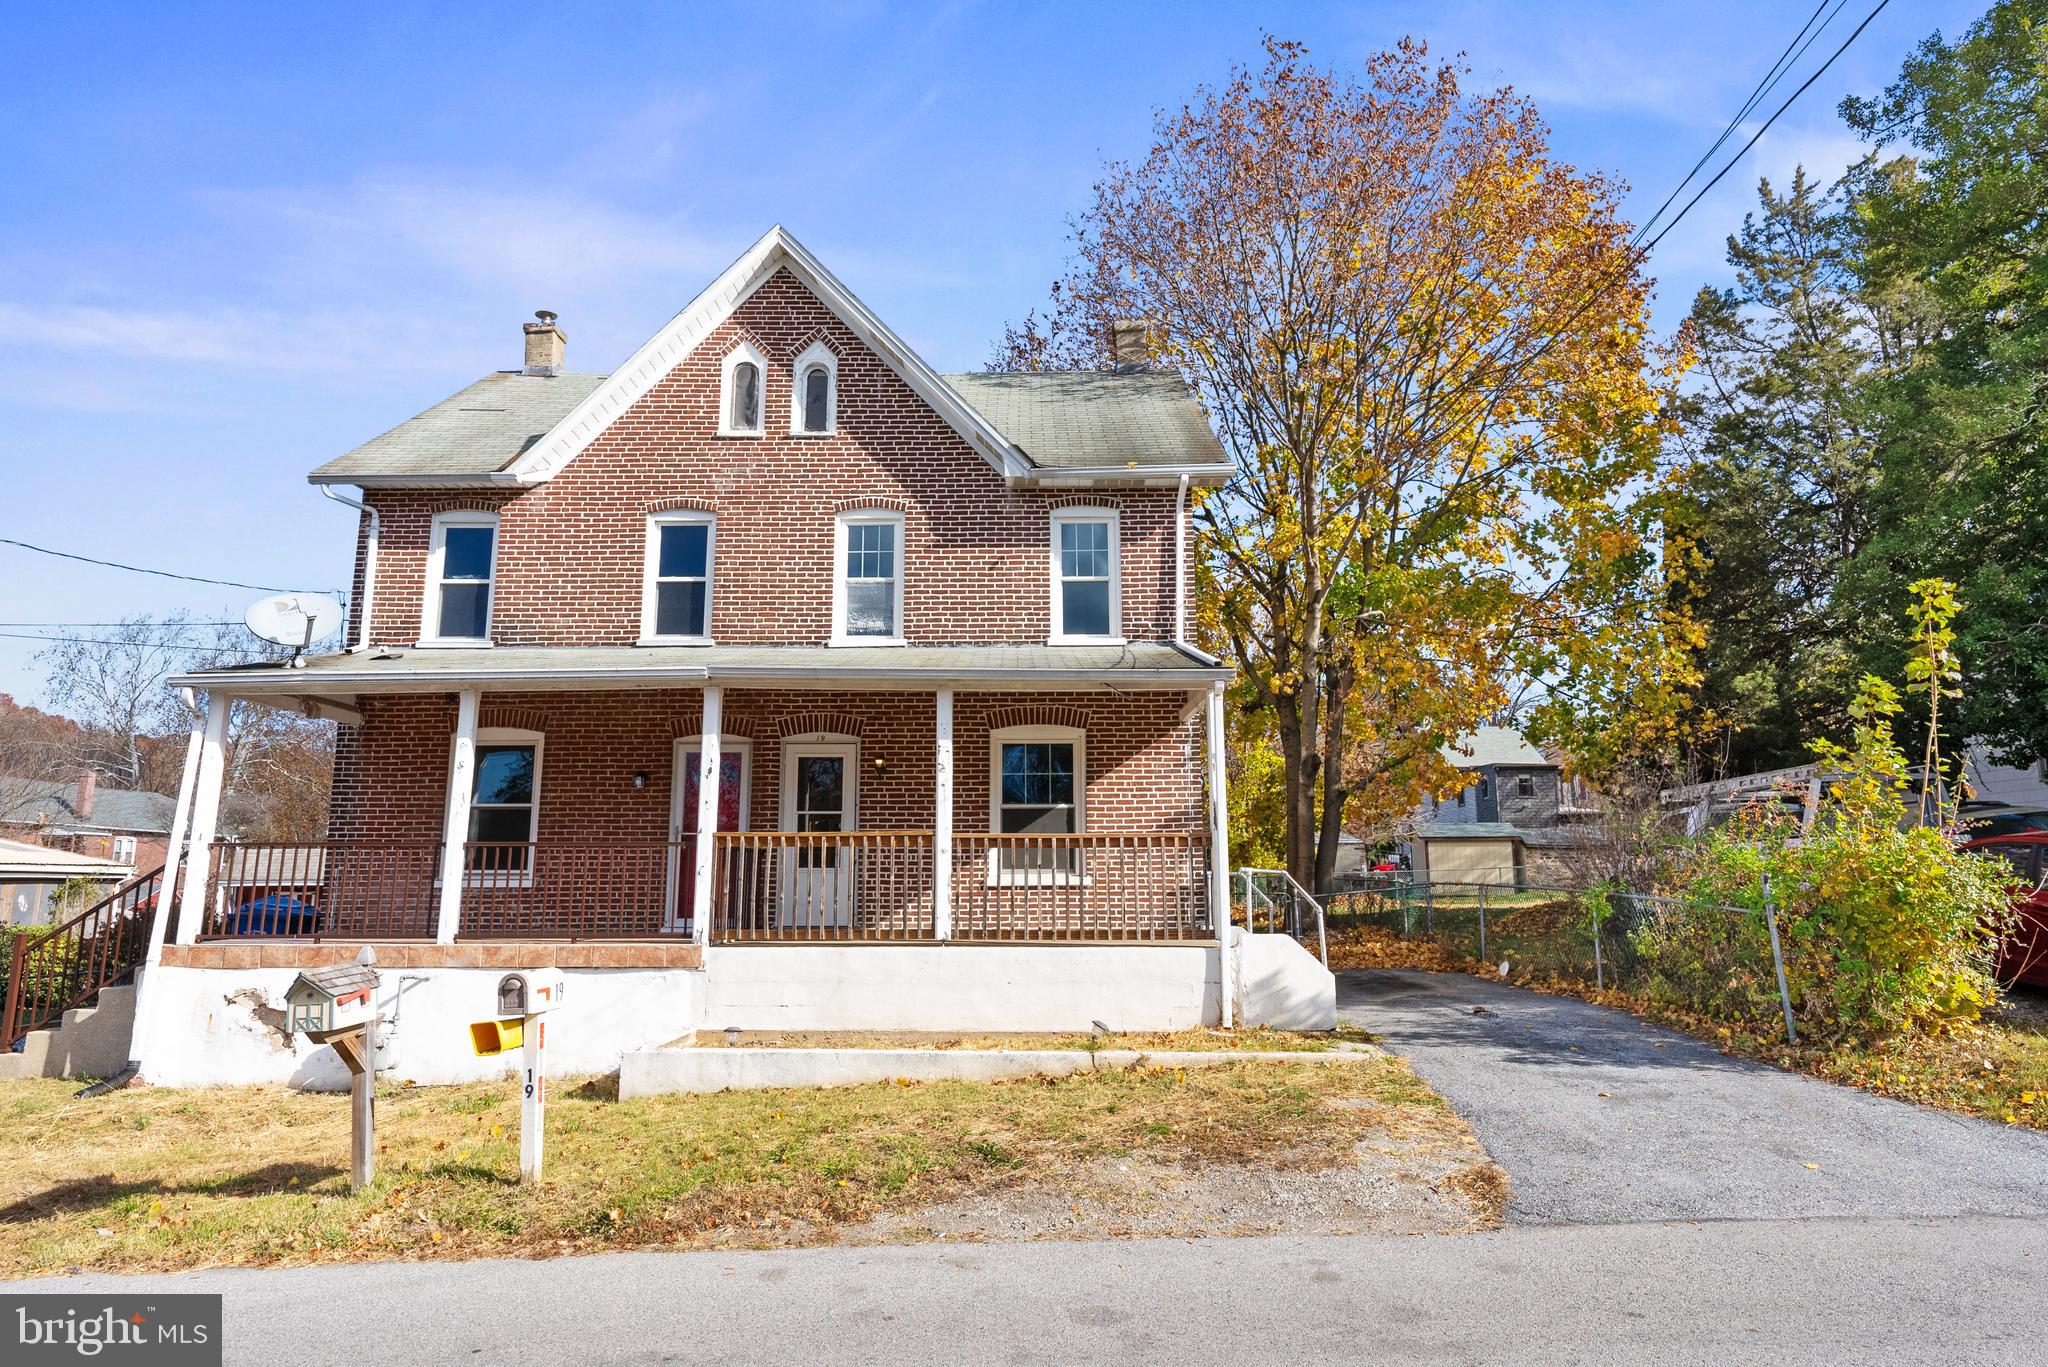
(545, 345)
(88, 788)
(1130, 344)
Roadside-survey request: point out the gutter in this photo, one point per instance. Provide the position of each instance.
(369, 561)
(253, 683)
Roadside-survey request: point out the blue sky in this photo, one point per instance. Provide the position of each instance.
(240, 240)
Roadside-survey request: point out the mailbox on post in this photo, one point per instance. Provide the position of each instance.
(338, 1006)
(529, 993)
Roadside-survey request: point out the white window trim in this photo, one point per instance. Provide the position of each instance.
(504, 735)
(817, 353)
(865, 517)
(1060, 636)
(124, 849)
(650, 598)
(437, 552)
(745, 351)
(1015, 735)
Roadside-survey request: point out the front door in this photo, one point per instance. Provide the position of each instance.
(733, 764)
(819, 797)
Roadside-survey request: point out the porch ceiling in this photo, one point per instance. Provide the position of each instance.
(340, 678)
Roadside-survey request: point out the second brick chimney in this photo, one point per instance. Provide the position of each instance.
(88, 789)
(1130, 342)
(545, 345)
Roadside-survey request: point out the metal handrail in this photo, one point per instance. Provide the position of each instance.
(71, 961)
(1299, 895)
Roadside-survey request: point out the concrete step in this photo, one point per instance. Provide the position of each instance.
(89, 1041)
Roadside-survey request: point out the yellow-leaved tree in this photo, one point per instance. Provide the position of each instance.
(1422, 340)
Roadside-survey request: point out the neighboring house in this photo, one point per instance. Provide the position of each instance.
(33, 876)
(774, 678)
(84, 817)
(1512, 823)
(2005, 798)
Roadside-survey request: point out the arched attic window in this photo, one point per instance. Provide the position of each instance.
(740, 398)
(814, 390)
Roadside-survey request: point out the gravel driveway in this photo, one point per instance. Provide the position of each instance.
(1599, 1117)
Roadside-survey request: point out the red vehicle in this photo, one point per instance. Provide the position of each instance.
(2025, 957)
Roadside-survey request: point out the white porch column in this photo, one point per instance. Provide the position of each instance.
(166, 902)
(213, 756)
(942, 817)
(1219, 848)
(455, 830)
(707, 809)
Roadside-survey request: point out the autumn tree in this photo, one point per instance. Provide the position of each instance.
(1421, 339)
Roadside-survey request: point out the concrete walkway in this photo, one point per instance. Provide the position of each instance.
(1599, 1117)
(1783, 1293)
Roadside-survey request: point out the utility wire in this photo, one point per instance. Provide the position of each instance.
(166, 625)
(138, 569)
(101, 640)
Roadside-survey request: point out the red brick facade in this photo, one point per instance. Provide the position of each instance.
(976, 553)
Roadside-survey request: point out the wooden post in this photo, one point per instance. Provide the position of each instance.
(1219, 850)
(358, 1049)
(708, 781)
(17, 956)
(942, 817)
(533, 1097)
(205, 817)
(455, 830)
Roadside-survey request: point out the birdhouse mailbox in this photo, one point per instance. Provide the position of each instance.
(322, 1002)
(529, 993)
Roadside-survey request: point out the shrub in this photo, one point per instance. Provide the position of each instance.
(1886, 925)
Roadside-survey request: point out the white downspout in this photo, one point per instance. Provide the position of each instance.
(1180, 576)
(369, 561)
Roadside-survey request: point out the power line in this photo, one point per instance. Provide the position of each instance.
(102, 640)
(166, 625)
(1765, 128)
(139, 569)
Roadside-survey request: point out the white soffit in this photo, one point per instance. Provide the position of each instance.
(668, 348)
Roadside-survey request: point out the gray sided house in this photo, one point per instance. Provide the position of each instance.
(1514, 822)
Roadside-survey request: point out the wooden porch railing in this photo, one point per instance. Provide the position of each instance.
(51, 971)
(817, 885)
(1091, 886)
(322, 890)
(778, 886)
(598, 890)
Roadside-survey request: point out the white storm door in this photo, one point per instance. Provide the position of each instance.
(820, 780)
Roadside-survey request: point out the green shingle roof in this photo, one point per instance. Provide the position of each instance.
(478, 431)
(1083, 420)
(1094, 419)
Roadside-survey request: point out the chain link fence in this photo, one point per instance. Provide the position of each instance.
(1719, 959)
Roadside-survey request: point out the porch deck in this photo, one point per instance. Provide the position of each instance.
(767, 887)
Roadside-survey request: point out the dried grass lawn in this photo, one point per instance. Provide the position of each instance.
(149, 1179)
(1257, 1040)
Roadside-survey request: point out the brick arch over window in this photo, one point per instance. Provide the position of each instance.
(810, 723)
(687, 728)
(854, 505)
(1037, 714)
(685, 503)
(468, 505)
(1083, 501)
(512, 718)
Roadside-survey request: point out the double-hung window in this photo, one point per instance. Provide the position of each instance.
(461, 565)
(504, 804)
(868, 584)
(676, 596)
(1039, 783)
(1085, 592)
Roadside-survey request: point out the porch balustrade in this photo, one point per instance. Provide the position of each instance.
(766, 886)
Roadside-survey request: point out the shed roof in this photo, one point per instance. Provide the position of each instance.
(1094, 419)
(475, 431)
(19, 859)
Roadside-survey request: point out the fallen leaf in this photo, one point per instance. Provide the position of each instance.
(1814, 1166)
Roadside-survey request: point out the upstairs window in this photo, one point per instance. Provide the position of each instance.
(461, 562)
(740, 397)
(1085, 592)
(814, 391)
(868, 606)
(1525, 785)
(676, 595)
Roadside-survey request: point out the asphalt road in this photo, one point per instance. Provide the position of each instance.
(1951, 1291)
(1601, 1118)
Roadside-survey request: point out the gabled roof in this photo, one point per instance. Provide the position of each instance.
(474, 433)
(1491, 745)
(515, 429)
(51, 802)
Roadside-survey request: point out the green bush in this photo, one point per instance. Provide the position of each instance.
(1886, 925)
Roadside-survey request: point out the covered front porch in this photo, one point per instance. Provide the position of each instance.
(938, 804)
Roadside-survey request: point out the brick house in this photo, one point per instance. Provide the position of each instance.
(84, 817)
(773, 676)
